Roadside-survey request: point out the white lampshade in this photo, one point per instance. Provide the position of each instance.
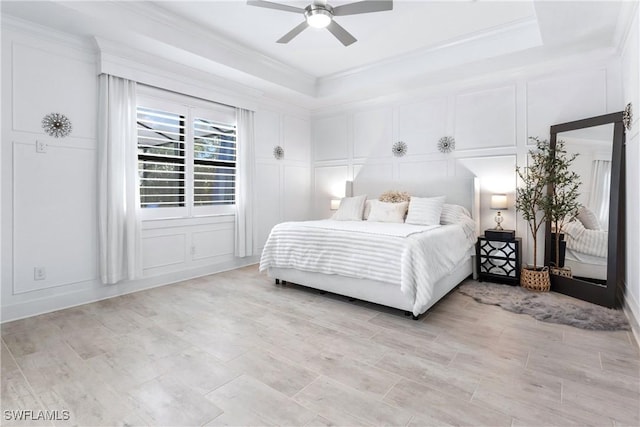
(499, 201)
(335, 204)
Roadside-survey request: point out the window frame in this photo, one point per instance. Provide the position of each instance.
(190, 108)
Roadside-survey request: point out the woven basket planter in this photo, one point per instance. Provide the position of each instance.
(561, 271)
(535, 280)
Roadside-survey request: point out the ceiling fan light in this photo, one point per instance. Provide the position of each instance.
(318, 18)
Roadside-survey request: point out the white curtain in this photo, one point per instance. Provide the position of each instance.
(600, 191)
(118, 192)
(245, 172)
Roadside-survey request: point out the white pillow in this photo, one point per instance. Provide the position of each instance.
(351, 209)
(588, 219)
(453, 214)
(387, 212)
(425, 210)
(367, 209)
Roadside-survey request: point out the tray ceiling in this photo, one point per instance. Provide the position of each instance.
(416, 42)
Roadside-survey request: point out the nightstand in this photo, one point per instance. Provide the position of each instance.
(499, 260)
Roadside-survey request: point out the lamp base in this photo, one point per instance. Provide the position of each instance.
(498, 219)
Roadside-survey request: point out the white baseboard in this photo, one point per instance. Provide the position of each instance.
(101, 292)
(630, 307)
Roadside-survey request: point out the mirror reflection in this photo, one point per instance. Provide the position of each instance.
(586, 237)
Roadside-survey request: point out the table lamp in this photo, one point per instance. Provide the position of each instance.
(499, 202)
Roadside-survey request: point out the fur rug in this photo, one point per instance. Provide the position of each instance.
(549, 307)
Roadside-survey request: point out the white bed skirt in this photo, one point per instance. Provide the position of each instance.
(583, 265)
(383, 293)
(581, 269)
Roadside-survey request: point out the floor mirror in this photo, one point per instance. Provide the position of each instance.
(594, 243)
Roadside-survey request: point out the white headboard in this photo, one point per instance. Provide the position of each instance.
(458, 191)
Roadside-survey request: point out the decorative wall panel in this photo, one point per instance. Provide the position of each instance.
(373, 172)
(213, 243)
(164, 250)
(267, 198)
(46, 82)
(497, 176)
(486, 119)
(422, 124)
(329, 184)
(329, 138)
(563, 98)
(295, 195)
(296, 138)
(267, 129)
(422, 171)
(372, 133)
(54, 216)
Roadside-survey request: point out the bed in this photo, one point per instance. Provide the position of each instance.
(401, 276)
(586, 252)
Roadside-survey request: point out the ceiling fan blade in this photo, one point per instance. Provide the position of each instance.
(291, 34)
(277, 6)
(363, 7)
(341, 34)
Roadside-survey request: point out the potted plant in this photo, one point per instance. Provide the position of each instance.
(561, 204)
(532, 202)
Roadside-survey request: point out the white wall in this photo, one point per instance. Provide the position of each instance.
(490, 119)
(49, 201)
(282, 186)
(631, 88)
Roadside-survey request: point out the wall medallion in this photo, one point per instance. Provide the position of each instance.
(278, 152)
(446, 144)
(399, 149)
(56, 125)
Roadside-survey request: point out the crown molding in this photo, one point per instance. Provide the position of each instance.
(144, 67)
(215, 61)
(539, 65)
(261, 64)
(146, 26)
(516, 28)
(517, 36)
(30, 28)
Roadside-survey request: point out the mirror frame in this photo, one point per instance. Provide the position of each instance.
(609, 295)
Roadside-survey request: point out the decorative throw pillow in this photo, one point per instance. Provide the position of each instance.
(387, 212)
(588, 219)
(351, 209)
(425, 210)
(452, 214)
(394, 196)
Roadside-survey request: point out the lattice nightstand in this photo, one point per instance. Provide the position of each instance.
(499, 260)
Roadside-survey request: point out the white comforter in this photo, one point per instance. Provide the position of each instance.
(416, 257)
(590, 242)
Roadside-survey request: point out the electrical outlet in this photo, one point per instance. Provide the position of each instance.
(41, 147)
(39, 273)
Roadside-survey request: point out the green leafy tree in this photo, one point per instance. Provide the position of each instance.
(561, 203)
(531, 197)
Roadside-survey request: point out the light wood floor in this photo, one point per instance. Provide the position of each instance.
(234, 349)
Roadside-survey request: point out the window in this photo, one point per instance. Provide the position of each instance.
(161, 158)
(186, 157)
(214, 163)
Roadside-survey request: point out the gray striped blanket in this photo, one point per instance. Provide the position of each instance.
(414, 257)
(590, 242)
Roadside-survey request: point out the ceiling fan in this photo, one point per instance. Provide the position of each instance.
(319, 14)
